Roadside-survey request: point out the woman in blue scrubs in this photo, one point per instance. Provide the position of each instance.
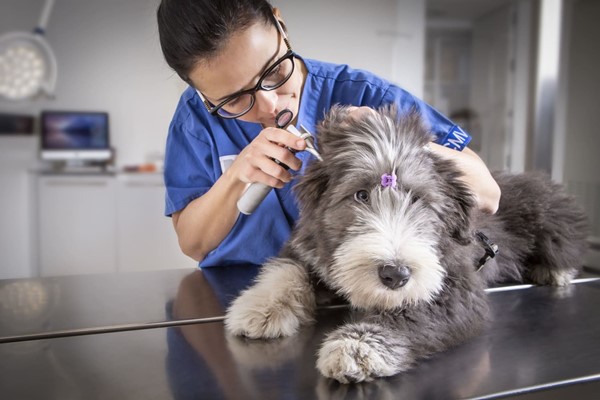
(242, 71)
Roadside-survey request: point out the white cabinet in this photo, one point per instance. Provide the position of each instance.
(77, 224)
(146, 238)
(17, 156)
(105, 223)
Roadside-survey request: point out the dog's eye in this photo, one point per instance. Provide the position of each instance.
(414, 198)
(362, 196)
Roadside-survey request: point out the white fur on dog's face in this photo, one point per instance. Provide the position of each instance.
(391, 229)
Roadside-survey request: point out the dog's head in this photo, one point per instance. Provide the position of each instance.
(380, 204)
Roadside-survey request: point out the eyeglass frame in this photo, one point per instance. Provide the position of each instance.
(290, 54)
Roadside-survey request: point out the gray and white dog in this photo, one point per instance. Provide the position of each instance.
(389, 226)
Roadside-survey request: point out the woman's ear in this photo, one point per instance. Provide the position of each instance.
(277, 15)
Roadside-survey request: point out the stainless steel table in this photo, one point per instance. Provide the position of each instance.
(83, 304)
(543, 343)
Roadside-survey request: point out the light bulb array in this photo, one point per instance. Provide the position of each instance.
(22, 71)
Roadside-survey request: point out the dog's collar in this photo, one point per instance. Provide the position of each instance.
(491, 249)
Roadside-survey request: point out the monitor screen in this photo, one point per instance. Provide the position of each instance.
(74, 135)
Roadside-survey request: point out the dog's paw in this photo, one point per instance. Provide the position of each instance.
(257, 314)
(545, 276)
(357, 359)
(280, 301)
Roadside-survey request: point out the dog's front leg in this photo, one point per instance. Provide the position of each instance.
(387, 343)
(281, 299)
(363, 351)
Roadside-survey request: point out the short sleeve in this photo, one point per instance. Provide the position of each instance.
(188, 166)
(447, 133)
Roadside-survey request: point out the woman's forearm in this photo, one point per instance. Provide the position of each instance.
(203, 224)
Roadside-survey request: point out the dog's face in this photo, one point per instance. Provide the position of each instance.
(379, 204)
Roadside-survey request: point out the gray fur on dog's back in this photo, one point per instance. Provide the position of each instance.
(406, 256)
(541, 226)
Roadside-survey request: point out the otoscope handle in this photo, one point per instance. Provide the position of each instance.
(256, 192)
(252, 197)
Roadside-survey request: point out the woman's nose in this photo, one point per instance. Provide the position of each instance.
(265, 101)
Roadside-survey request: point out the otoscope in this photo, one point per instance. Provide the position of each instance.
(256, 192)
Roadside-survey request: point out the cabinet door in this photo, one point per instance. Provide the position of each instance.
(77, 224)
(17, 155)
(146, 238)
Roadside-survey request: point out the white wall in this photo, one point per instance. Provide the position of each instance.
(386, 37)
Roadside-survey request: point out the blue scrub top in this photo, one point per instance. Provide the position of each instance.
(201, 146)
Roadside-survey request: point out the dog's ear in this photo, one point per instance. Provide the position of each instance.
(332, 130)
(457, 207)
(311, 186)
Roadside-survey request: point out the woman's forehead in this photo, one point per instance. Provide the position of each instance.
(239, 64)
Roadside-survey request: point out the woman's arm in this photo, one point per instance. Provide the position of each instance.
(207, 220)
(476, 176)
(203, 224)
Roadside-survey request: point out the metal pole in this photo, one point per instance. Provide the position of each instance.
(546, 90)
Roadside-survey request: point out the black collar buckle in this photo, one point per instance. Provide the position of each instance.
(491, 249)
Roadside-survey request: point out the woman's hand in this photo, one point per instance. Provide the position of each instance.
(256, 162)
(475, 174)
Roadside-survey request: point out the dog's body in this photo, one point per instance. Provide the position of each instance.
(389, 226)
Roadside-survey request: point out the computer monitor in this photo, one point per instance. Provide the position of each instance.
(81, 136)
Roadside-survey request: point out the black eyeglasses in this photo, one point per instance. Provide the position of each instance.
(240, 103)
(275, 76)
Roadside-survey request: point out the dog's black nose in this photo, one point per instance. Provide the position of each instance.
(393, 276)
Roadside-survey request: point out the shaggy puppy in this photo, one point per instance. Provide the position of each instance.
(389, 226)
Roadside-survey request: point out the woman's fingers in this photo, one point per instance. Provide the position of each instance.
(265, 159)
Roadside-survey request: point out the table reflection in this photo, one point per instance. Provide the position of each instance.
(205, 362)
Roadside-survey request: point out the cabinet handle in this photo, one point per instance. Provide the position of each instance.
(144, 184)
(79, 183)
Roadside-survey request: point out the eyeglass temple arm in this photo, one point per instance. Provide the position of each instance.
(283, 34)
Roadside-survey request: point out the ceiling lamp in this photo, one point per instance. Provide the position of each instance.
(27, 64)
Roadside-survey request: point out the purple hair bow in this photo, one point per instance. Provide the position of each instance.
(388, 180)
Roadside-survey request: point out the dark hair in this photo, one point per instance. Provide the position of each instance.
(192, 30)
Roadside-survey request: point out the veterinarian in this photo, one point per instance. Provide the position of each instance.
(242, 72)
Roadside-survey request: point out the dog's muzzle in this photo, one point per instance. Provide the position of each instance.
(394, 276)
